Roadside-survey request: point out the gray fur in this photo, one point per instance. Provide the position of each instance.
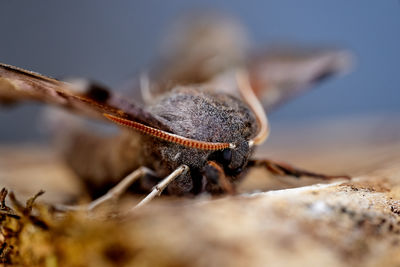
(202, 115)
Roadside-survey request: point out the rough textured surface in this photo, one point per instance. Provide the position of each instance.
(328, 225)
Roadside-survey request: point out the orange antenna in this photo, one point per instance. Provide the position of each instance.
(170, 137)
(242, 78)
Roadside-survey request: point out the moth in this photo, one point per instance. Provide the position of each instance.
(203, 117)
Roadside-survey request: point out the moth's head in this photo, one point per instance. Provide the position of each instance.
(233, 160)
(224, 167)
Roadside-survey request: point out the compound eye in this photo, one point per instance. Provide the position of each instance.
(227, 155)
(237, 171)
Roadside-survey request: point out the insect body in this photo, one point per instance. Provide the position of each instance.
(199, 133)
(205, 137)
(209, 117)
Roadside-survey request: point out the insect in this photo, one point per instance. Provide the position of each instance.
(195, 135)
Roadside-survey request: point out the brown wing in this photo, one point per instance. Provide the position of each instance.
(19, 85)
(202, 48)
(277, 74)
(197, 48)
(280, 73)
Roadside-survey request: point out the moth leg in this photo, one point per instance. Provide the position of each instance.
(116, 192)
(159, 188)
(113, 194)
(216, 179)
(279, 168)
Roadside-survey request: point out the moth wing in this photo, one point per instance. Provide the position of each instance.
(197, 48)
(205, 48)
(281, 73)
(19, 85)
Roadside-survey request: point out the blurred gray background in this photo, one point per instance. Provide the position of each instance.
(110, 41)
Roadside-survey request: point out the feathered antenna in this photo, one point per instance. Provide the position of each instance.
(170, 137)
